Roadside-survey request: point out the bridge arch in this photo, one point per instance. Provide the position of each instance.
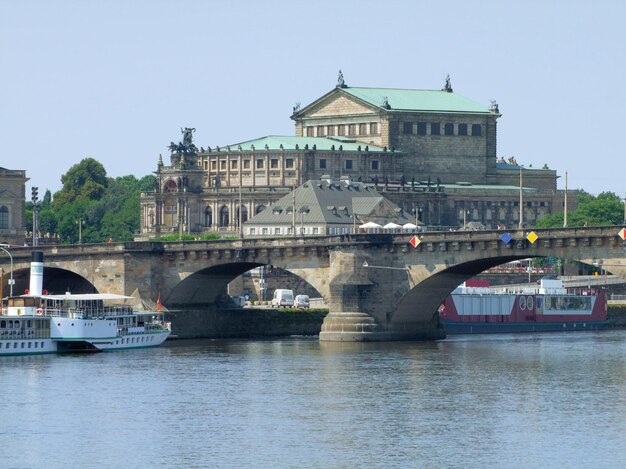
(422, 301)
(208, 285)
(55, 281)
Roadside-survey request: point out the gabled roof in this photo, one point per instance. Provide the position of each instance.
(328, 203)
(407, 100)
(287, 142)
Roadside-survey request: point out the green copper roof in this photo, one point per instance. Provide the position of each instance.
(278, 142)
(417, 100)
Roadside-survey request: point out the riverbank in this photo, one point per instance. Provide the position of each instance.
(246, 323)
(264, 322)
(616, 315)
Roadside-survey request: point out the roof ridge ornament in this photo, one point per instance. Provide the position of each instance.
(385, 104)
(341, 83)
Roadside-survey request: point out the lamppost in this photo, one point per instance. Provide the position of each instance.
(464, 213)
(521, 200)
(624, 210)
(34, 199)
(293, 213)
(80, 222)
(565, 203)
(240, 199)
(262, 284)
(416, 212)
(11, 280)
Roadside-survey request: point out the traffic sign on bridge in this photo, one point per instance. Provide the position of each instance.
(415, 241)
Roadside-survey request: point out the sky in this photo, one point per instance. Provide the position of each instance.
(117, 80)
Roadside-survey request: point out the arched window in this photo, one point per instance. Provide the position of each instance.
(208, 216)
(224, 216)
(259, 209)
(4, 217)
(170, 186)
(244, 214)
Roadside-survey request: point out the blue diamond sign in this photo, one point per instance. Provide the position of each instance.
(506, 238)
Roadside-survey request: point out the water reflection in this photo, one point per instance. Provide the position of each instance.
(468, 401)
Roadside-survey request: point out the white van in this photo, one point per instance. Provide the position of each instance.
(282, 297)
(301, 301)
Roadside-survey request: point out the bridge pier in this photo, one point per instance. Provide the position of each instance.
(362, 303)
(361, 327)
(349, 327)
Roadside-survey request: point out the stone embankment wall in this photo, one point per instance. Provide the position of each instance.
(616, 314)
(244, 323)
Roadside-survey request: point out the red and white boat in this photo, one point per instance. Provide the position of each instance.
(476, 308)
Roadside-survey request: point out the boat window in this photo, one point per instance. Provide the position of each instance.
(529, 302)
(522, 302)
(3, 323)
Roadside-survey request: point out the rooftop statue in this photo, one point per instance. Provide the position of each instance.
(187, 136)
(186, 147)
(448, 86)
(340, 81)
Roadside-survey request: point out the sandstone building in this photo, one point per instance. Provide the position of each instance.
(431, 152)
(12, 202)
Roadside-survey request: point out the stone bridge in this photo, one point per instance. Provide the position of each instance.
(378, 286)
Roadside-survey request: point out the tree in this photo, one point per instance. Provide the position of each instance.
(604, 209)
(105, 207)
(118, 210)
(86, 179)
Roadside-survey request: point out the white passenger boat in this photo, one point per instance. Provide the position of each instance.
(37, 322)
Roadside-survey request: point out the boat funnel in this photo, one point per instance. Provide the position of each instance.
(36, 273)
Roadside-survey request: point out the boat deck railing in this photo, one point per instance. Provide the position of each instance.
(148, 328)
(89, 312)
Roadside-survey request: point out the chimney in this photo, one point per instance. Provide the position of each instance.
(36, 273)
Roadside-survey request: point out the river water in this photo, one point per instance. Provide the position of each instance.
(511, 401)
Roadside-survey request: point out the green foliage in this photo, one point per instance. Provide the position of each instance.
(602, 210)
(103, 208)
(85, 180)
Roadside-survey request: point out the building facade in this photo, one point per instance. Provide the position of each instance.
(329, 207)
(219, 189)
(431, 152)
(12, 203)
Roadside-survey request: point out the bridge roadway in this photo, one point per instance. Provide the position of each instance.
(377, 286)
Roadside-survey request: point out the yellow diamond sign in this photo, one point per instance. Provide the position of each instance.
(532, 237)
(622, 233)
